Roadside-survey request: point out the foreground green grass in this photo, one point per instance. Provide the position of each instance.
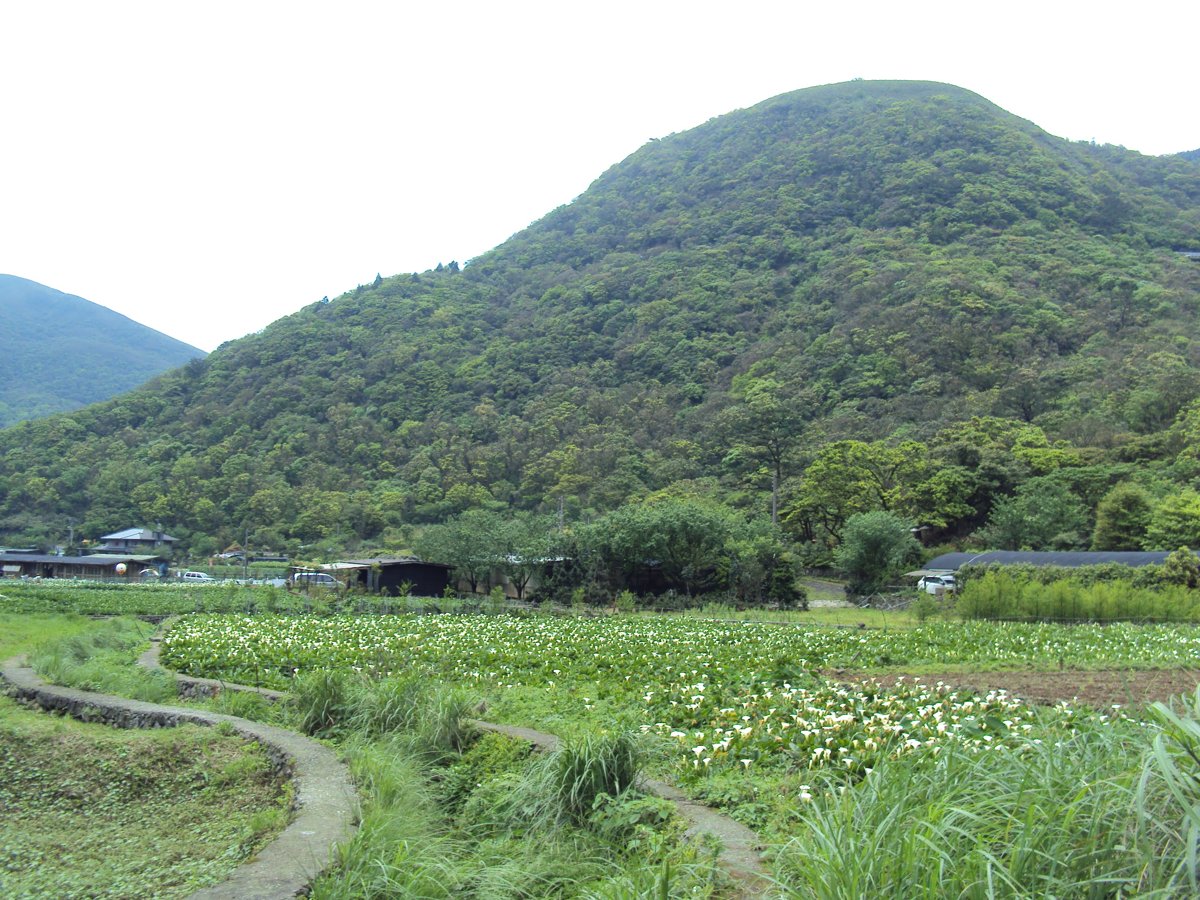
(21, 632)
(1086, 815)
(104, 659)
(495, 822)
(447, 812)
(87, 810)
(1002, 795)
(458, 814)
(858, 791)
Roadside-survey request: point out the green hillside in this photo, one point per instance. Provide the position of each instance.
(873, 294)
(59, 352)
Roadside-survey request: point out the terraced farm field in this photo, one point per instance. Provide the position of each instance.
(947, 759)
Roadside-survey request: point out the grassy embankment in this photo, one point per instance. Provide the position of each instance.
(87, 810)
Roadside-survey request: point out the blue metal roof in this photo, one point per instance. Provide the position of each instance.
(954, 561)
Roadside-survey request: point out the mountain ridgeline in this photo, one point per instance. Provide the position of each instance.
(897, 266)
(59, 352)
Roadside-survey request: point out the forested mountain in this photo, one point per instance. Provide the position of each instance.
(59, 352)
(872, 294)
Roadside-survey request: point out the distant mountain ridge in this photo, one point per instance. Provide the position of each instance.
(59, 352)
(879, 261)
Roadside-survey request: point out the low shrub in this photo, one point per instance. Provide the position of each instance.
(321, 701)
(326, 702)
(584, 769)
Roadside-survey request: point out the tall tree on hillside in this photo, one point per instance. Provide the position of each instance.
(1174, 522)
(685, 538)
(1042, 515)
(472, 543)
(530, 544)
(763, 429)
(850, 477)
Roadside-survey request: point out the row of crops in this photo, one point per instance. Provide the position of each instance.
(727, 696)
(174, 598)
(628, 651)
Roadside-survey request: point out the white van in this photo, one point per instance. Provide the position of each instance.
(937, 584)
(196, 576)
(314, 579)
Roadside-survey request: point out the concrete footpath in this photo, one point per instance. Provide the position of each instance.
(739, 856)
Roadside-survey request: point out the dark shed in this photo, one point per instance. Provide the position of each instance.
(425, 579)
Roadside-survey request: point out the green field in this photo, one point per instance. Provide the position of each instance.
(87, 810)
(856, 787)
(742, 717)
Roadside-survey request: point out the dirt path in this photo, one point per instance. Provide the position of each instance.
(1095, 689)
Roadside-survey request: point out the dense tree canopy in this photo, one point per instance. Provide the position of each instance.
(870, 296)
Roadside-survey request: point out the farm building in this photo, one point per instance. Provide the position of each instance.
(424, 579)
(136, 540)
(97, 566)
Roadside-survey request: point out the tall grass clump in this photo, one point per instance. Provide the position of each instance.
(1175, 764)
(105, 659)
(433, 718)
(997, 594)
(403, 847)
(247, 705)
(393, 704)
(591, 766)
(321, 701)
(566, 786)
(1061, 818)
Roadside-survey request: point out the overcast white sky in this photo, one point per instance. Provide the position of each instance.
(206, 168)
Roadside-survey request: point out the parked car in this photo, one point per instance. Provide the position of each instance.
(196, 576)
(937, 584)
(314, 579)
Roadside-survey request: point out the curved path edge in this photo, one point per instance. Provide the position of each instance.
(326, 803)
(738, 857)
(739, 853)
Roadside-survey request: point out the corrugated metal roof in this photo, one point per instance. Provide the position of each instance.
(138, 534)
(97, 559)
(955, 561)
(385, 561)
